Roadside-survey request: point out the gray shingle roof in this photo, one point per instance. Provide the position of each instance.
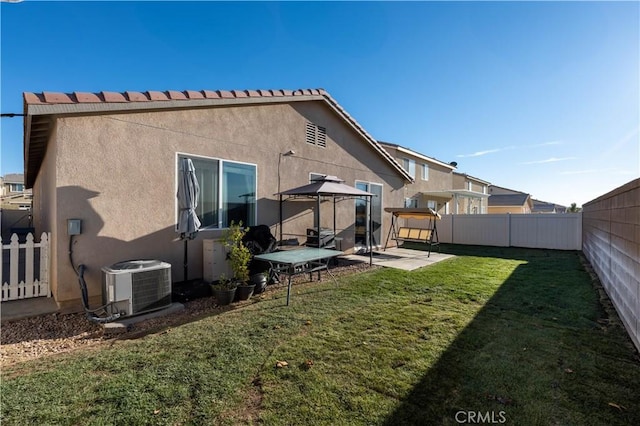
(508, 200)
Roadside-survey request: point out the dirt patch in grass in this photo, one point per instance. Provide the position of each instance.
(248, 412)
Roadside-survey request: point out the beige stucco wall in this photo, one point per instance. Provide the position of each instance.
(44, 205)
(463, 204)
(118, 174)
(468, 205)
(461, 181)
(508, 209)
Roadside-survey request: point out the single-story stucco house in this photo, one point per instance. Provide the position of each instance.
(111, 160)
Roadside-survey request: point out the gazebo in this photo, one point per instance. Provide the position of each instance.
(328, 187)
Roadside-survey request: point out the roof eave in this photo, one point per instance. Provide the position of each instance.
(37, 106)
(424, 157)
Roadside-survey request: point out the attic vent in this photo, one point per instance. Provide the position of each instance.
(316, 135)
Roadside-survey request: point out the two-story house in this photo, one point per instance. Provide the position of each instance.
(438, 186)
(433, 179)
(470, 194)
(13, 193)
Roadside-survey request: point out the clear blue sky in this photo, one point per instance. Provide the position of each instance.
(542, 97)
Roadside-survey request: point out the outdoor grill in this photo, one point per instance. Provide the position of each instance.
(327, 238)
(259, 240)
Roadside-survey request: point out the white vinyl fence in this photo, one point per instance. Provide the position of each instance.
(24, 269)
(549, 231)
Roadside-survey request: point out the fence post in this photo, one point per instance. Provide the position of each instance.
(45, 246)
(14, 250)
(2, 295)
(453, 228)
(28, 267)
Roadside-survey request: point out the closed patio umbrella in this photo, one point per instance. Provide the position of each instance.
(188, 191)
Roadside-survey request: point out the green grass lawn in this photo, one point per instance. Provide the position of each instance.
(514, 336)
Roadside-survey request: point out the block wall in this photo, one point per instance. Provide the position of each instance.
(611, 243)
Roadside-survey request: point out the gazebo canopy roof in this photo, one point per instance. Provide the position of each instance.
(327, 186)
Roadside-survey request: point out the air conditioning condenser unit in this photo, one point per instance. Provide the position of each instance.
(137, 286)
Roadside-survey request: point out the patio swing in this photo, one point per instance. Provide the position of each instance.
(424, 235)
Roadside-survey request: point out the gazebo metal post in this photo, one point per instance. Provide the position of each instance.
(318, 207)
(280, 218)
(370, 230)
(334, 223)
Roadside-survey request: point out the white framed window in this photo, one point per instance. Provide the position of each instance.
(469, 186)
(425, 171)
(410, 166)
(227, 191)
(411, 203)
(16, 187)
(432, 205)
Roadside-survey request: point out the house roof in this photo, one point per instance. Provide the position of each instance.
(492, 187)
(544, 206)
(508, 200)
(404, 150)
(40, 108)
(13, 178)
(541, 206)
(478, 180)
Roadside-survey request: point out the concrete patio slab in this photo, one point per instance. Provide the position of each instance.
(401, 258)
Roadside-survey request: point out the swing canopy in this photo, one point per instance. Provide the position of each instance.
(412, 213)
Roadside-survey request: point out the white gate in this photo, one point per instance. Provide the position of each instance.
(22, 261)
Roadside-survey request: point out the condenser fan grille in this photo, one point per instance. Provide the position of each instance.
(151, 290)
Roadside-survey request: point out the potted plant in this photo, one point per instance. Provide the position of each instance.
(239, 257)
(224, 290)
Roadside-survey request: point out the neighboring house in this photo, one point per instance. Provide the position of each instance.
(433, 179)
(505, 200)
(111, 160)
(545, 207)
(13, 194)
(437, 185)
(470, 194)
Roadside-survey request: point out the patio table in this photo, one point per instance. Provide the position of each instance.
(300, 261)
